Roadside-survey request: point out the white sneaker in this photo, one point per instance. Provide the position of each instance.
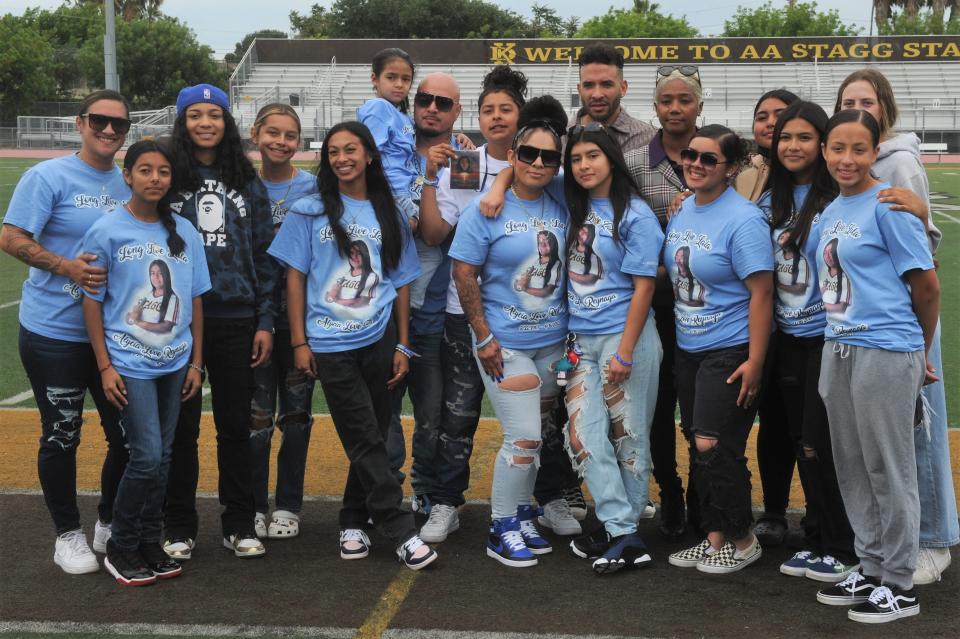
(101, 535)
(443, 520)
(244, 545)
(931, 562)
(649, 511)
(558, 517)
(260, 525)
(74, 555)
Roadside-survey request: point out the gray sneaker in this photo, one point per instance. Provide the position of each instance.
(443, 520)
(558, 517)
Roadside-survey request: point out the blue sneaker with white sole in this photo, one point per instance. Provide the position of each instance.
(625, 551)
(531, 536)
(797, 565)
(505, 544)
(830, 570)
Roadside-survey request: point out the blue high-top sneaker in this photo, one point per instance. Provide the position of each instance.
(505, 544)
(531, 536)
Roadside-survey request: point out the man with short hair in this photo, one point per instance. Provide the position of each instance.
(601, 88)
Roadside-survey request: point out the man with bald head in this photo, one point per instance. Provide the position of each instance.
(436, 107)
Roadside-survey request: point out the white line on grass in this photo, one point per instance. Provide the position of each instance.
(948, 216)
(9, 304)
(174, 630)
(16, 399)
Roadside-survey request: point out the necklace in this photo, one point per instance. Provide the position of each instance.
(274, 204)
(537, 221)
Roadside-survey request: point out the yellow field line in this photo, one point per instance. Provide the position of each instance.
(390, 601)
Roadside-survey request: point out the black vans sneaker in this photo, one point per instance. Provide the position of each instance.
(127, 566)
(159, 563)
(591, 545)
(855, 589)
(886, 603)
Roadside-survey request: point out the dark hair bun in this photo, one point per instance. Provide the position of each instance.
(545, 108)
(505, 78)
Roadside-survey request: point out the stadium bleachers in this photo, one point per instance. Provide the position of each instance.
(928, 94)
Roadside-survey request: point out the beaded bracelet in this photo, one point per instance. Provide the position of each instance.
(409, 352)
(199, 369)
(486, 340)
(617, 357)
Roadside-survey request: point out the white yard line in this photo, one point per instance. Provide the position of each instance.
(948, 216)
(9, 304)
(16, 399)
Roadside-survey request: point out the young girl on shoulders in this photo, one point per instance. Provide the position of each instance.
(148, 346)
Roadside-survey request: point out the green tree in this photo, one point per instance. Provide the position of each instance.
(634, 23)
(242, 46)
(315, 24)
(789, 20)
(66, 28)
(130, 9)
(26, 67)
(155, 59)
(924, 23)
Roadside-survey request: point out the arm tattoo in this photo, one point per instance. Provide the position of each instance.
(27, 250)
(465, 276)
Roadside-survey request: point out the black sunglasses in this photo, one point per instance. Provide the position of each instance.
(590, 127)
(529, 154)
(707, 160)
(686, 69)
(424, 100)
(99, 122)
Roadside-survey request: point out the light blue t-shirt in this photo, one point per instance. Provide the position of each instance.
(282, 195)
(394, 133)
(57, 201)
(797, 305)
(864, 250)
(708, 252)
(523, 274)
(148, 299)
(600, 271)
(349, 298)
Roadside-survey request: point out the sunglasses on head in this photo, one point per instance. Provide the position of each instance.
(707, 160)
(424, 100)
(590, 127)
(688, 70)
(529, 154)
(99, 122)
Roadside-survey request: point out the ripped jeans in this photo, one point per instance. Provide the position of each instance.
(608, 435)
(61, 373)
(523, 415)
(286, 392)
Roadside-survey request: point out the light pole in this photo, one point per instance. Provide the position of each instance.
(110, 79)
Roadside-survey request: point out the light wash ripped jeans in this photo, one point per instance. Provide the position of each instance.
(523, 416)
(608, 435)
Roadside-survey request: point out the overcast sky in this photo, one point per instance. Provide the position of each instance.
(222, 23)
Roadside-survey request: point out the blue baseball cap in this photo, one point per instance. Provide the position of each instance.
(202, 93)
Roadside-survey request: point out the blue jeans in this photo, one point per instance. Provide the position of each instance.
(938, 506)
(279, 382)
(608, 435)
(523, 416)
(150, 422)
(60, 373)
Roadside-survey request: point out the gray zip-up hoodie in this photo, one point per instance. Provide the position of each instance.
(899, 164)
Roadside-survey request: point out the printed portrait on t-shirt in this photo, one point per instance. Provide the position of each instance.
(834, 283)
(539, 278)
(793, 272)
(584, 266)
(356, 285)
(156, 308)
(687, 289)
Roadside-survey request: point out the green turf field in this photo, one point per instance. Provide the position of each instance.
(944, 183)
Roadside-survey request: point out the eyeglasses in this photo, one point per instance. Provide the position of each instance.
(99, 123)
(590, 127)
(707, 160)
(529, 154)
(424, 100)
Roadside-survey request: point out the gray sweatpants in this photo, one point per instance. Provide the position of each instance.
(870, 395)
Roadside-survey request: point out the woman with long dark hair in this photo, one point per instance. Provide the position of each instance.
(358, 352)
(54, 204)
(611, 393)
(148, 366)
(220, 193)
(721, 345)
(873, 370)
